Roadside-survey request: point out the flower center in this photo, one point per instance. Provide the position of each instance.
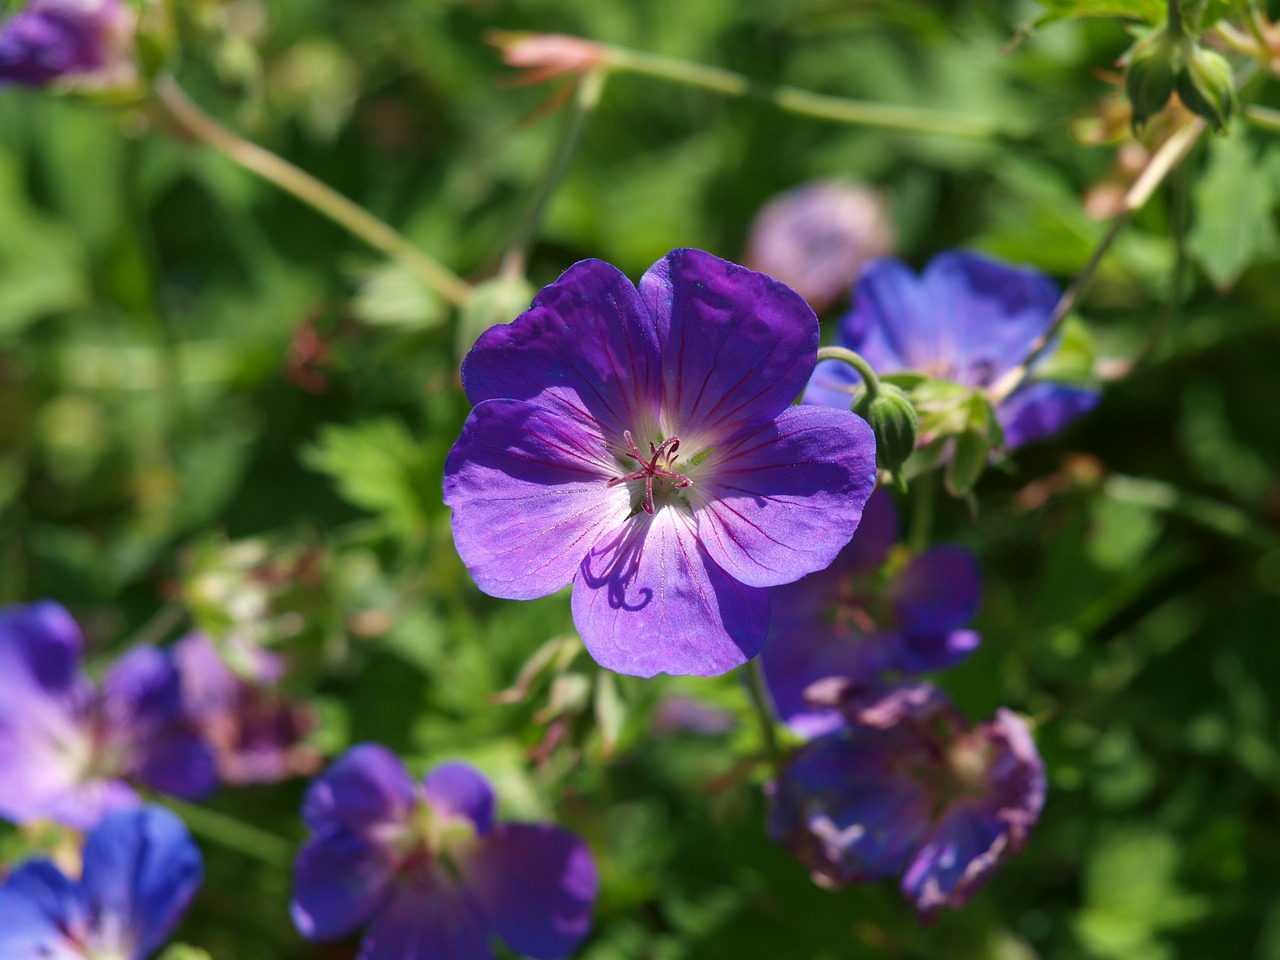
(655, 470)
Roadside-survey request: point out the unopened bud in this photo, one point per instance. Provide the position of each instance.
(968, 460)
(894, 422)
(1149, 80)
(1206, 86)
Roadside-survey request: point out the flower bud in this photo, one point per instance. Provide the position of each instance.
(85, 44)
(1149, 80)
(893, 421)
(968, 460)
(1206, 86)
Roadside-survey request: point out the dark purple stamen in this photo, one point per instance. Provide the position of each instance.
(649, 469)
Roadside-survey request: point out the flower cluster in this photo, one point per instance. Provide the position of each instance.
(69, 750)
(640, 444)
(427, 869)
(966, 319)
(907, 788)
(140, 871)
(848, 622)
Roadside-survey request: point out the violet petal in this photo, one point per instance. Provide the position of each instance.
(536, 886)
(783, 501)
(530, 496)
(737, 346)
(648, 599)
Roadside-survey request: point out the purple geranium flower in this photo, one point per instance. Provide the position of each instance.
(255, 731)
(817, 237)
(846, 621)
(967, 319)
(66, 748)
(141, 870)
(427, 869)
(908, 789)
(640, 444)
(51, 40)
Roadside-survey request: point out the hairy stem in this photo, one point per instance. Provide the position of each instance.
(804, 102)
(764, 712)
(585, 101)
(855, 360)
(302, 185)
(1171, 153)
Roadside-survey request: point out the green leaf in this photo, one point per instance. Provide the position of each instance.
(378, 466)
(394, 297)
(1233, 205)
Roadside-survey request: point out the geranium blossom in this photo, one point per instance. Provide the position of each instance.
(427, 869)
(84, 40)
(640, 444)
(853, 622)
(968, 319)
(907, 788)
(141, 870)
(68, 748)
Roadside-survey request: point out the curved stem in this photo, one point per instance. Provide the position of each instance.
(310, 191)
(1171, 153)
(794, 100)
(856, 361)
(590, 88)
(232, 833)
(764, 713)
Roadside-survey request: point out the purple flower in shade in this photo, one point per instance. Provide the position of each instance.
(909, 789)
(640, 444)
(967, 319)
(255, 731)
(850, 621)
(84, 40)
(817, 237)
(141, 870)
(66, 747)
(427, 869)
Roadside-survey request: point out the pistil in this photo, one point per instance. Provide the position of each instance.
(650, 469)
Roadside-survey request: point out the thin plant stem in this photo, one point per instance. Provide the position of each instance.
(1171, 153)
(302, 185)
(804, 102)
(590, 87)
(232, 833)
(1264, 117)
(1168, 316)
(764, 713)
(855, 360)
(163, 622)
(924, 495)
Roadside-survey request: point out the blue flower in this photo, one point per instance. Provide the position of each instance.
(967, 319)
(141, 870)
(83, 40)
(428, 871)
(907, 788)
(849, 621)
(67, 748)
(641, 445)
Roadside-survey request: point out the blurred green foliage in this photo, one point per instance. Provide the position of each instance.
(202, 381)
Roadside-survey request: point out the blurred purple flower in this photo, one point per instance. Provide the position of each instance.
(968, 319)
(640, 444)
(909, 789)
(66, 748)
(845, 622)
(679, 713)
(49, 40)
(425, 867)
(141, 870)
(817, 237)
(255, 731)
